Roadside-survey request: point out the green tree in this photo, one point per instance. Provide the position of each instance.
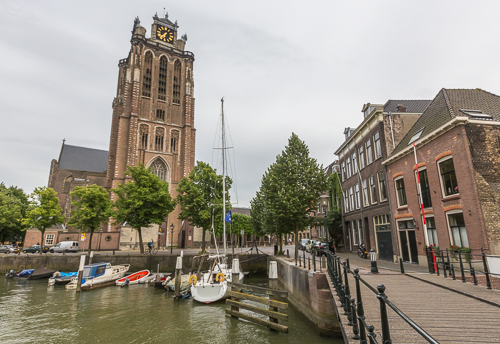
(334, 215)
(10, 214)
(144, 201)
(200, 198)
(290, 187)
(44, 211)
(92, 207)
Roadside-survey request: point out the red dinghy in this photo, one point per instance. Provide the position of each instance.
(134, 278)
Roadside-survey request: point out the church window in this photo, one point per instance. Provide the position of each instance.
(144, 136)
(159, 168)
(159, 139)
(160, 115)
(146, 79)
(174, 142)
(162, 79)
(176, 97)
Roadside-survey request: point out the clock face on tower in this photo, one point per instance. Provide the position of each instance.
(165, 34)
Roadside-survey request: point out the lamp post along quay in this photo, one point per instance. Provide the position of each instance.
(171, 237)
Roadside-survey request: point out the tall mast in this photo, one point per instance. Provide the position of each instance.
(223, 177)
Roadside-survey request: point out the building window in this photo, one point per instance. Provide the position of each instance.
(431, 231)
(174, 141)
(355, 233)
(49, 239)
(160, 134)
(400, 191)
(381, 186)
(160, 115)
(382, 223)
(146, 78)
(346, 202)
(373, 190)
(361, 157)
(366, 201)
(348, 167)
(144, 141)
(361, 231)
(343, 171)
(162, 79)
(358, 200)
(369, 154)
(378, 146)
(424, 185)
(351, 199)
(406, 224)
(176, 96)
(448, 177)
(159, 168)
(354, 164)
(458, 231)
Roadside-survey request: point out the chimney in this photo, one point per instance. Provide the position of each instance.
(401, 108)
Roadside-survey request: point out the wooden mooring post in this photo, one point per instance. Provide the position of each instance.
(273, 313)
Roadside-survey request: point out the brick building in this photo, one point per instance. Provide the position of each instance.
(152, 123)
(366, 207)
(456, 148)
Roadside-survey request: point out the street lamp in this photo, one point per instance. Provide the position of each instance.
(324, 202)
(171, 237)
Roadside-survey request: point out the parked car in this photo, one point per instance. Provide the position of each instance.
(303, 243)
(8, 249)
(321, 248)
(35, 249)
(65, 246)
(310, 245)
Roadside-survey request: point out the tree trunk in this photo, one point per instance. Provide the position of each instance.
(296, 231)
(41, 242)
(90, 241)
(203, 244)
(141, 246)
(281, 243)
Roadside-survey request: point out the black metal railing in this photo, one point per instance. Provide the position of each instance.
(316, 258)
(338, 270)
(470, 262)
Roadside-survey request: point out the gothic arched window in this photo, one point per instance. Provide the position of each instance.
(176, 96)
(159, 168)
(174, 141)
(162, 79)
(146, 78)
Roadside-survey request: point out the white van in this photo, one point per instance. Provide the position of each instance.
(65, 246)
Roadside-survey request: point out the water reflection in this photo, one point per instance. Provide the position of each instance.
(32, 312)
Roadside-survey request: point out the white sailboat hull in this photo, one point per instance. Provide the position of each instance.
(208, 292)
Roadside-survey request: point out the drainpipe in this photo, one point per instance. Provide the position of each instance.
(392, 132)
(395, 240)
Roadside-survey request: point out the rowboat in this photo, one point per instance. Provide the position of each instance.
(136, 277)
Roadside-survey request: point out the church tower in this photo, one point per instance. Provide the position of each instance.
(153, 113)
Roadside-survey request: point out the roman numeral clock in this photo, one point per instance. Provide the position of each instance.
(165, 34)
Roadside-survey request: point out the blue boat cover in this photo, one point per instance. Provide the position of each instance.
(68, 274)
(25, 272)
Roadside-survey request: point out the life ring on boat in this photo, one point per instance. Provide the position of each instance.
(193, 279)
(220, 277)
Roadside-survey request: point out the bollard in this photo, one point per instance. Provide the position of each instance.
(287, 253)
(361, 312)
(236, 270)
(486, 272)
(91, 256)
(386, 335)
(177, 285)
(273, 270)
(80, 272)
(373, 258)
(401, 266)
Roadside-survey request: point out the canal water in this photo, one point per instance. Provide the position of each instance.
(30, 312)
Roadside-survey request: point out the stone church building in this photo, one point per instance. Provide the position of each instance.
(152, 123)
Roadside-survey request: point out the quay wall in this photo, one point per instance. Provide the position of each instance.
(309, 293)
(255, 264)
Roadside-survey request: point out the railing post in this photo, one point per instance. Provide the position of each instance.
(304, 258)
(295, 260)
(314, 260)
(308, 263)
(437, 267)
(401, 265)
(453, 272)
(300, 263)
(444, 266)
(360, 309)
(347, 294)
(473, 272)
(430, 263)
(355, 328)
(486, 272)
(371, 334)
(386, 335)
(461, 266)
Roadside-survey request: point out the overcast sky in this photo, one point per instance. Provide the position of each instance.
(305, 67)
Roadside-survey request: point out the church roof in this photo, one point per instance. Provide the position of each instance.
(83, 159)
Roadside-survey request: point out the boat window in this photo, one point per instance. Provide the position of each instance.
(100, 271)
(87, 272)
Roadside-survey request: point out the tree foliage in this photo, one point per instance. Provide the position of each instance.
(240, 222)
(334, 215)
(92, 207)
(290, 188)
(144, 201)
(13, 207)
(44, 211)
(200, 197)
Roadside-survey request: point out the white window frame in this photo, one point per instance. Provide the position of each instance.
(355, 232)
(380, 188)
(357, 196)
(351, 199)
(361, 231)
(354, 163)
(450, 233)
(377, 145)
(372, 177)
(369, 152)
(439, 162)
(361, 153)
(348, 164)
(346, 202)
(397, 191)
(49, 239)
(366, 197)
(343, 171)
(427, 217)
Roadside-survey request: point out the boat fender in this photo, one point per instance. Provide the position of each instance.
(193, 279)
(126, 282)
(220, 277)
(56, 274)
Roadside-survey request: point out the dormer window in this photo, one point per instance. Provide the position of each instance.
(416, 136)
(476, 114)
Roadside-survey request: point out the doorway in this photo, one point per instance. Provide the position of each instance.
(408, 241)
(384, 236)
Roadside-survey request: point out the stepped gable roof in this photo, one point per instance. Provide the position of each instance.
(448, 104)
(412, 106)
(83, 159)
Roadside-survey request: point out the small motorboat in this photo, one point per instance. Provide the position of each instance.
(20, 274)
(41, 272)
(62, 277)
(134, 278)
(99, 275)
